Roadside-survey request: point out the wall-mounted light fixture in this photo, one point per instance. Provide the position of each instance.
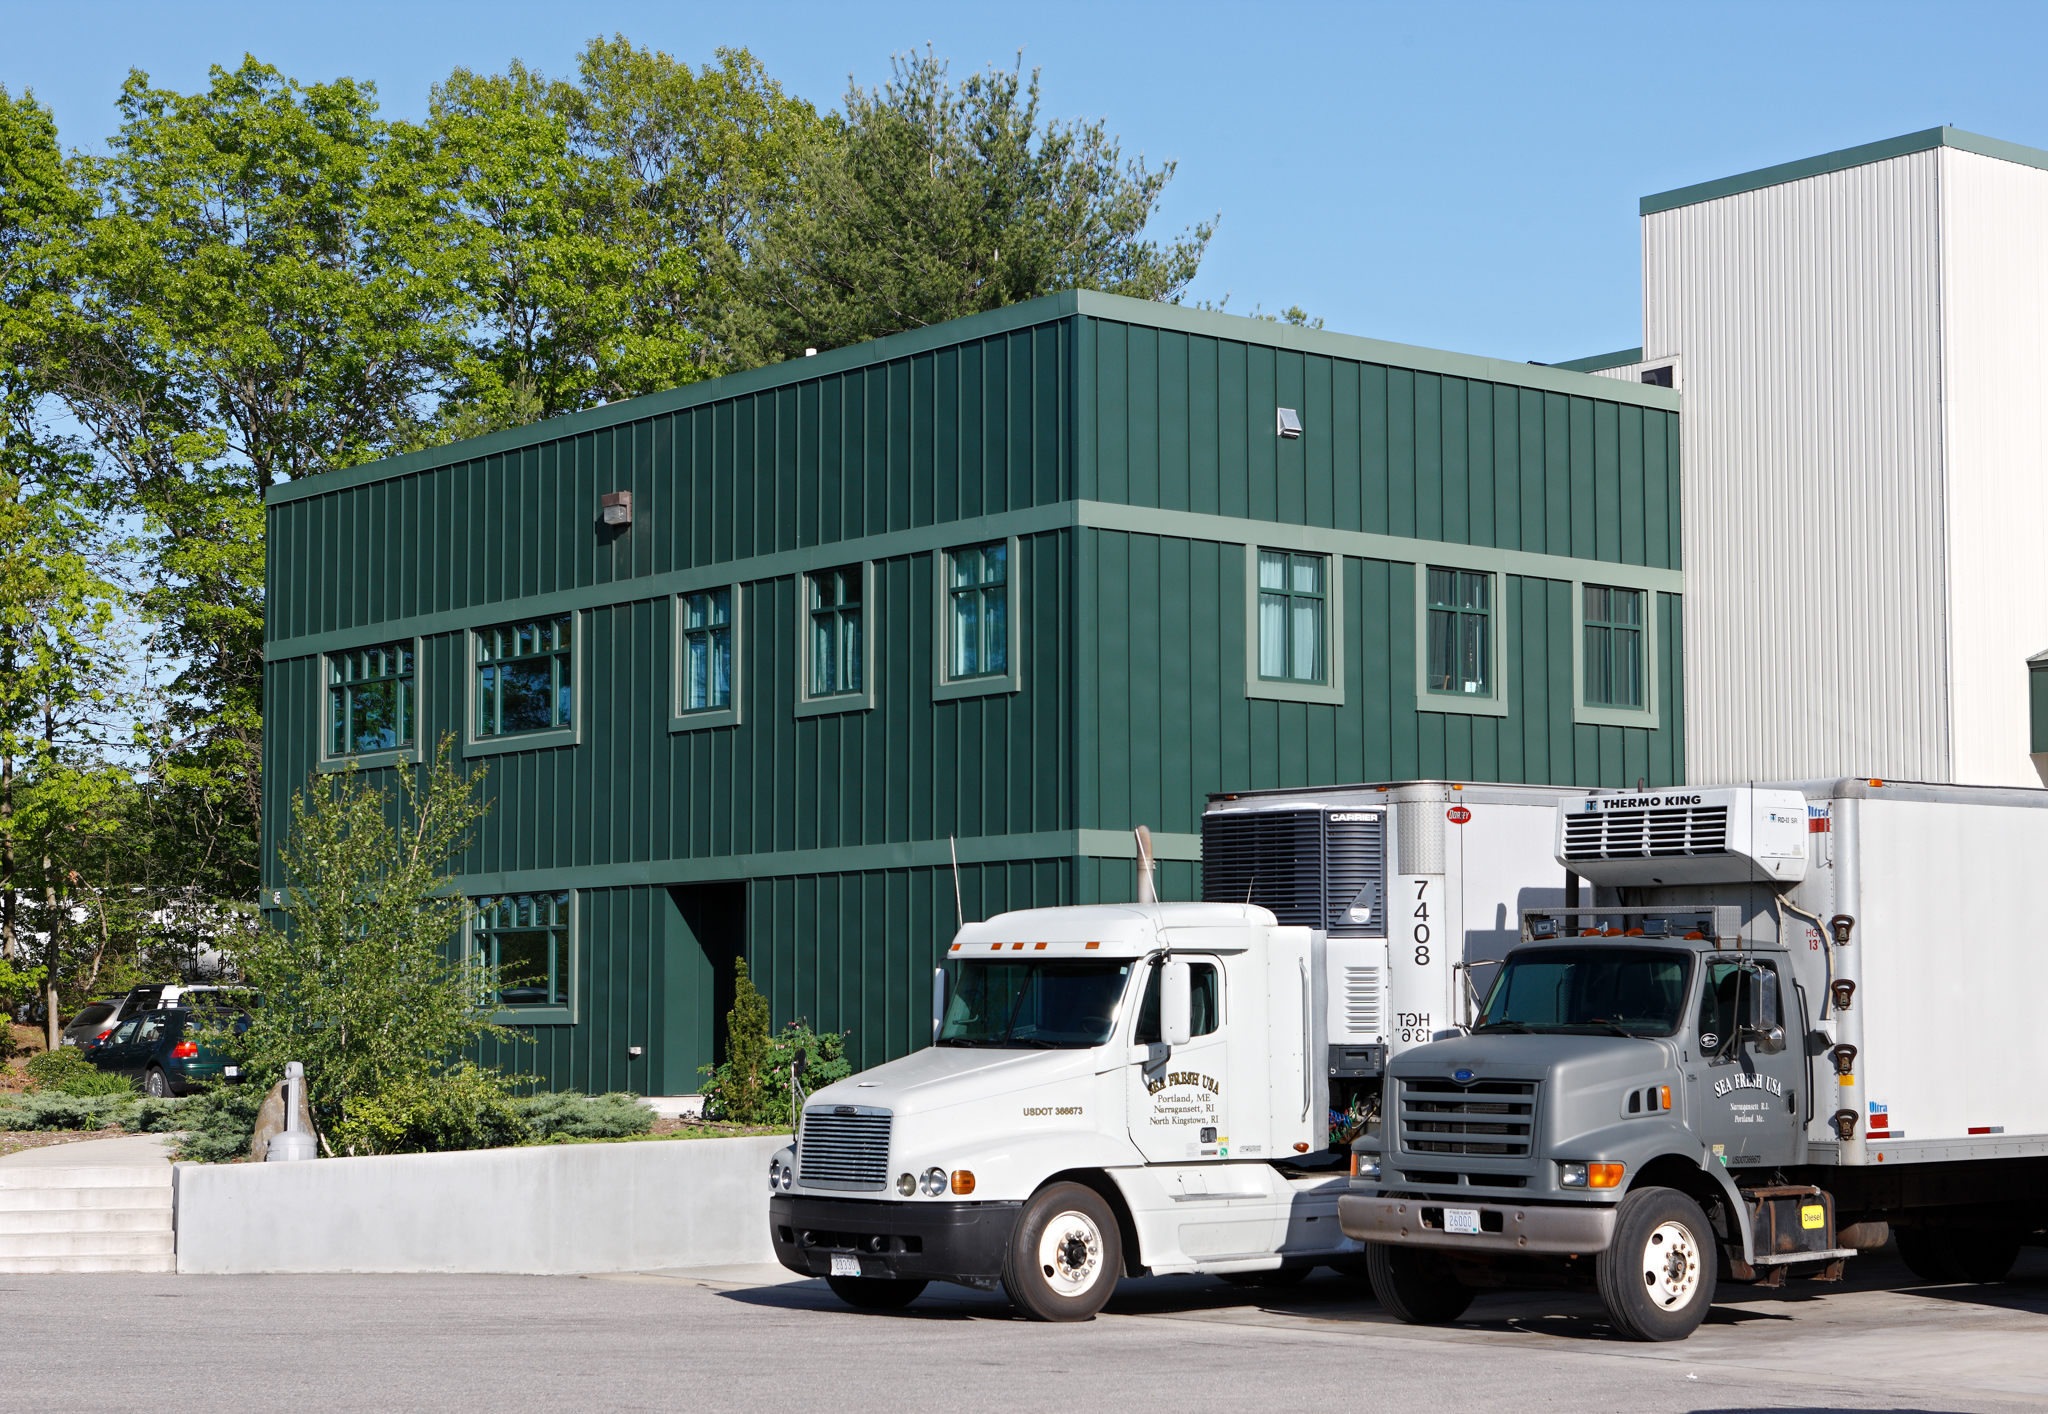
(616, 507)
(1290, 423)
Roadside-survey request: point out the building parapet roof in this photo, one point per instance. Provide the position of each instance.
(1841, 161)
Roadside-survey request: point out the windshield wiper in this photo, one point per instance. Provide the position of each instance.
(965, 1041)
(1502, 1026)
(1613, 1026)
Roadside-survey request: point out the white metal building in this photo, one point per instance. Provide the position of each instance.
(1862, 343)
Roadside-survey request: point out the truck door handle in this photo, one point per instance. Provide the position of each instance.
(1307, 1033)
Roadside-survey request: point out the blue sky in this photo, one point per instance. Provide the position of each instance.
(1460, 176)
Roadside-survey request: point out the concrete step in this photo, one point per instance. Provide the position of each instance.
(85, 1176)
(36, 1266)
(74, 1200)
(86, 1244)
(88, 1220)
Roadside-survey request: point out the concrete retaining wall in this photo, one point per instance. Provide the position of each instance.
(556, 1208)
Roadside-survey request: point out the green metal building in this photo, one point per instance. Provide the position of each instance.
(1025, 580)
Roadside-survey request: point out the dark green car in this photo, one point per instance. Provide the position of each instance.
(163, 1051)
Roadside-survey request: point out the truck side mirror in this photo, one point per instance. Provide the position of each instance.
(1176, 1003)
(1766, 1022)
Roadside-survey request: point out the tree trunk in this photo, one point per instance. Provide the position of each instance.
(7, 895)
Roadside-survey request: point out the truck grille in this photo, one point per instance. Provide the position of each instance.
(846, 1147)
(1443, 1124)
(1647, 834)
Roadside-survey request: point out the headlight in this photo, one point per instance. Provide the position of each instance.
(906, 1185)
(788, 1177)
(934, 1182)
(774, 1174)
(1571, 1175)
(1365, 1165)
(1590, 1175)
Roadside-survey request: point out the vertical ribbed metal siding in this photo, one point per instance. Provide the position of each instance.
(1185, 422)
(1170, 722)
(1807, 316)
(1994, 236)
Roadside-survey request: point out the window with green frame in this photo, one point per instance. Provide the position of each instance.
(707, 650)
(977, 584)
(1292, 607)
(524, 938)
(370, 700)
(834, 597)
(1613, 659)
(524, 677)
(1460, 654)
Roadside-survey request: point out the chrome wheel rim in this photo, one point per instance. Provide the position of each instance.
(1070, 1253)
(1671, 1266)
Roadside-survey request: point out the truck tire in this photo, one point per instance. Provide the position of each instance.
(876, 1293)
(1415, 1286)
(1946, 1254)
(1065, 1254)
(1657, 1276)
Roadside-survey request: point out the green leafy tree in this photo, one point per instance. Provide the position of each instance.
(597, 218)
(742, 1089)
(361, 980)
(940, 201)
(263, 291)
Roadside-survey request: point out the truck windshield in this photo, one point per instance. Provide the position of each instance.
(1025, 1005)
(1590, 990)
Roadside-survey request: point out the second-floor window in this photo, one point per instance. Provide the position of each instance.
(1614, 647)
(524, 677)
(1291, 616)
(1460, 632)
(977, 588)
(707, 650)
(835, 649)
(370, 701)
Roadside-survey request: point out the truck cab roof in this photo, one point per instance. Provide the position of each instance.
(1115, 929)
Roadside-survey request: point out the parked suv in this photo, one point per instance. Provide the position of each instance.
(163, 1050)
(95, 1018)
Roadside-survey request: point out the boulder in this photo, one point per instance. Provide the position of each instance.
(270, 1120)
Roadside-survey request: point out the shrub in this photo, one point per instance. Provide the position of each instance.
(67, 1072)
(466, 1108)
(217, 1123)
(827, 1062)
(53, 1109)
(613, 1116)
(743, 1087)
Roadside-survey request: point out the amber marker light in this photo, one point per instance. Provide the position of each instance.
(1604, 1175)
(963, 1181)
(1664, 1097)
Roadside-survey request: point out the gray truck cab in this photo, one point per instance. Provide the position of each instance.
(1618, 1108)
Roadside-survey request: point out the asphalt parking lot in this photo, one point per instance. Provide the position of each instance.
(747, 1339)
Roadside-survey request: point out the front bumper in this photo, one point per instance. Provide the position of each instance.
(1563, 1229)
(920, 1241)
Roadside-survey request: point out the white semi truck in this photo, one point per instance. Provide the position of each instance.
(1163, 1088)
(1792, 1021)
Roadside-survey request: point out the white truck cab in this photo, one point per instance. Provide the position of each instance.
(1112, 1090)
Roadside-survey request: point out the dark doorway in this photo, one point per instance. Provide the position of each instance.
(707, 935)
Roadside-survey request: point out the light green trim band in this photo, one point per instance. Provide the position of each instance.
(1063, 515)
(1841, 161)
(1620, 358)
(848, 859)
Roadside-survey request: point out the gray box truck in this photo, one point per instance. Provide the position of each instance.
(1779, 1024)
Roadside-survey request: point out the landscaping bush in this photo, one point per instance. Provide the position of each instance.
(53, 1109)
(613, 1116)
(66, 1072)
(466, 1108)
(766, 1100)
(217, 1123)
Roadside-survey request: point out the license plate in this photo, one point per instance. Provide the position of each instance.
(1461, 1220)
(845, 1266)
(231, 1071)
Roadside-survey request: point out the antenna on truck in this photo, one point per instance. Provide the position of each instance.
(1147, 893)
(959, 915)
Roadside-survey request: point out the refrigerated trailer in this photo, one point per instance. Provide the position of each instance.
(1784, 1023)
(1166, 1087)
